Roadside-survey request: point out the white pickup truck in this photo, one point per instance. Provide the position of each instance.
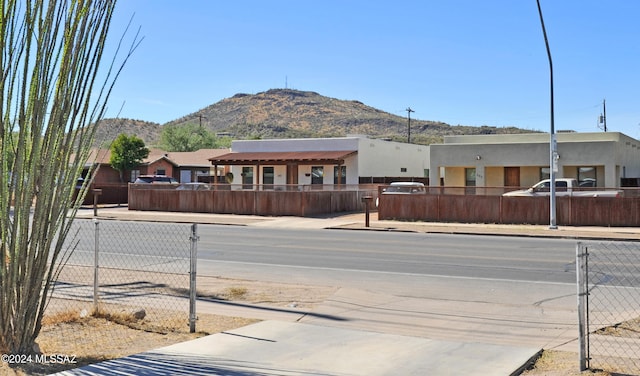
(564, 187)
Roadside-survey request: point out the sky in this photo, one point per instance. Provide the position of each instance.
(462, 62)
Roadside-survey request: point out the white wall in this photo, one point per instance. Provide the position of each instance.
(388, 158)
(374, 157)
(296, 144)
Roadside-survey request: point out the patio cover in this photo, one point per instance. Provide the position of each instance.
(335, 157)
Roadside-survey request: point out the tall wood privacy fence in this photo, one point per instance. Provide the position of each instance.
(270, 202)
(445, 206)
(570, 211)
(107, 193)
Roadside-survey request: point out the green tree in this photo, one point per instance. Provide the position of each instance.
(127, 152)
(223, 142)
(187, 137)
(52, 95)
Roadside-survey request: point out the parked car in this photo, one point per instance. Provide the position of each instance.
(155, 179)
(404, 187)
(564, 187)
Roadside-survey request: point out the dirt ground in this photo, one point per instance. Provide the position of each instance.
(85, 338)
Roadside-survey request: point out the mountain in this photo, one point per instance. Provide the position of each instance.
(287, 113)
(109, 129)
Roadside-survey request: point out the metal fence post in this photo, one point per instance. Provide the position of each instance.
(192, 277)
(96, 263)
(581, 270)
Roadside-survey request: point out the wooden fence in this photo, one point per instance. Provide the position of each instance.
(570, 211)
(302, 203)
(107, 193)
(441, 207)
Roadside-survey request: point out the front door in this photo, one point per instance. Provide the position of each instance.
(292, 174)
(512, 176)
(247, 177)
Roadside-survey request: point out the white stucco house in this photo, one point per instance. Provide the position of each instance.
(347, 160)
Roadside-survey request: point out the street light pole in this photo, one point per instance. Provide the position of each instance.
(409, 111)
(553, 145)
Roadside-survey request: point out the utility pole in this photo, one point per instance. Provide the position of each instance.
(409, 111)
(200, 117)
(603, 115)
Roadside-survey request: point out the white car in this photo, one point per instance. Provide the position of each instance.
(405, 187)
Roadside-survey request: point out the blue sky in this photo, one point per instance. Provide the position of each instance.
(467, 62)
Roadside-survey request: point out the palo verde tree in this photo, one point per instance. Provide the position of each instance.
(52, 96)
(127, 152)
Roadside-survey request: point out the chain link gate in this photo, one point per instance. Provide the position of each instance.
(120, 266)
(608, 279)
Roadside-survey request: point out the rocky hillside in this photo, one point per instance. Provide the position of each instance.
(286, 113)
(109, 129)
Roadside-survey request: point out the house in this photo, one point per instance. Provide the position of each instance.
(521, 160)
(350, 160)
(185, 167)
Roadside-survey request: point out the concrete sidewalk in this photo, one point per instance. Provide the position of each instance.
(286, 346)
(283, 348)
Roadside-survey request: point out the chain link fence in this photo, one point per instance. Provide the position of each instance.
(608, 275)
(127, 272)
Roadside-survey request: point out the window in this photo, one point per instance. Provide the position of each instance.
(545, 173)
(341, 172)
(267, 175)
(470, 177)
(317, 175)
(587, 176)
(561, 186)
(161, 171)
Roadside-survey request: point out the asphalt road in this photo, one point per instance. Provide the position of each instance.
(507, 258)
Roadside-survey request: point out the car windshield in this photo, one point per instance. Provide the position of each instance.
(405, 188)
(143, 180)
(155, 179)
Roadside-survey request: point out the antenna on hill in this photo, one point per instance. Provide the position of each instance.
(602, 120)
(286, 83)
